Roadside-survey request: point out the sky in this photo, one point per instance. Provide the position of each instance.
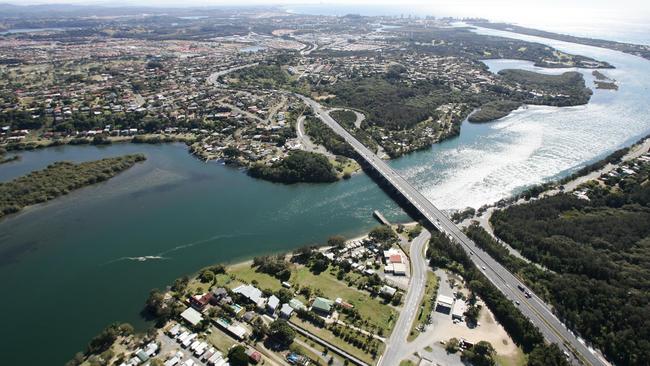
(598, 18)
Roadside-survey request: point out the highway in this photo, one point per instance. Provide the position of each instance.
(538, 312)
(397, 341)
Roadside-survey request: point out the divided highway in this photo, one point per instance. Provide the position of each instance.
(533, 308)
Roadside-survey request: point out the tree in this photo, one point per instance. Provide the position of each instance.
(260, 329)
(452, 345)
(284, 295)
(383, 234)
(547, 355)
(218, 269)
(480, 354)
(237, 356)
(319, 265)
(281, 335)
(472, 313)
(306, 291)
(336, 241)
(206, 276)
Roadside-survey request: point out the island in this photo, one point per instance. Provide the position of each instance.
(59, 179)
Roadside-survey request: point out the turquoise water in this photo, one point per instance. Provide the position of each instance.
(71, 266)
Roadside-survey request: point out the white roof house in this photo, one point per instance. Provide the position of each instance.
(286, 311)
(458, 311)
(399, 269)
(192, 316)
(388, 291)
(273, 303)
(445, 302)
(252, 293)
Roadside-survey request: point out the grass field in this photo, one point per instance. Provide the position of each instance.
(517, 359)
(336, 341)
(378, 315)
(220, 340)
(426, 306)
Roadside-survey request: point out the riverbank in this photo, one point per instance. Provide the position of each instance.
(566, 185)
(30, 143)
(59, 179)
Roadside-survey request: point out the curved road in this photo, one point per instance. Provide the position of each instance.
(538, 312)
(397, 341)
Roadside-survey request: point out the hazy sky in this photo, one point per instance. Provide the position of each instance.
(582, 17)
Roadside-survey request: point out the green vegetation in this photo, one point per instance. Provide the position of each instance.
(383, 234)
(323, 135)
(550, 355)
(267, 76)
(369, 313)
(59, 179)
(344, 117)
(391, 104)
(634, 49)
(608, 85)
(298, 166)
(599, 252)
(443, 253)
(562, 90)
(493, 110)
(274, 266)
(9, 159)
(406, 363)
(237, 356)
(426, 306)
(281, 335)
(461, 42)
(480, 354)
(346, 339)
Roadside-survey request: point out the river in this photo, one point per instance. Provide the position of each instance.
(70, 267)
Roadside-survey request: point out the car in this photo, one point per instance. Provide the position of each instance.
(517, 302)
(483, 268)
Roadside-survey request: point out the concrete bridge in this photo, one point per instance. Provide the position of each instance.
(538, 312)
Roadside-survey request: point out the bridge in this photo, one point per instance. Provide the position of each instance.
(538, 312)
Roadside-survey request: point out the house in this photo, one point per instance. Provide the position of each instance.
(192, 316)
(399, 269)
(387, 291)
(297, 304)
(248, 316)
(254, 356)
(272, 304)
(285, 311)
(444, 304)
(458, 310)
(252, 293)
(390, 252)
(322, 305)
(200, 301)
(236, 330)
(218, 294)
(395, 258)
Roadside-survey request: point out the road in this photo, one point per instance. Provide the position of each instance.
(214, 77)
(306, 141)
(397, 341)
(533, 308)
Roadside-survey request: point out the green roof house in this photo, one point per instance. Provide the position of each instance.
(322, 305)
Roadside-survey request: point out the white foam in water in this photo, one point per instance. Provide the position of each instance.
(536, 144)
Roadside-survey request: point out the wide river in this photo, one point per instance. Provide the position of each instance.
(70, 267)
